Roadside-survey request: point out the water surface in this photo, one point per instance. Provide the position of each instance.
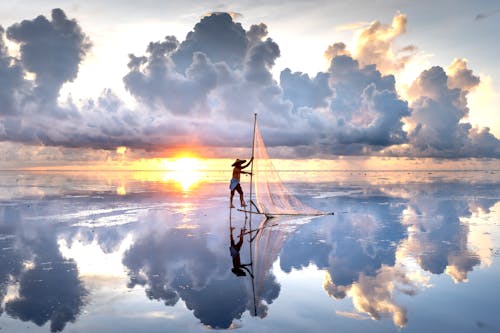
(129, 252)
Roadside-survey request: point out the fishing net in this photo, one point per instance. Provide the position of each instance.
(273, 199)
(271, 195)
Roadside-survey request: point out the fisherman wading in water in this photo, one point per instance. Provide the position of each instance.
(235, 181)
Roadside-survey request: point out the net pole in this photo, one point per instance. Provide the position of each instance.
(251, 169)
(250, 217)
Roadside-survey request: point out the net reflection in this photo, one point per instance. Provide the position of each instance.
(268, 242)
(260, 283)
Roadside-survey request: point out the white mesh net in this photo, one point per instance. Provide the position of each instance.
(271, 195)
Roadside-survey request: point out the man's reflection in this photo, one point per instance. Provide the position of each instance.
(238, 268)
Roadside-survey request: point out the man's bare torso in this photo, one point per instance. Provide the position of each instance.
(236, 172)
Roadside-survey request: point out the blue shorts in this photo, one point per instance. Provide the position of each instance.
(234, 183)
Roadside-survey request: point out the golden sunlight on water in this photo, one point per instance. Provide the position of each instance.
(185, 172)
(187, 180)
(121, 190)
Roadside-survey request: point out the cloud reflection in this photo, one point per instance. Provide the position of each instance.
(50, 289)
(365, 252)
(176, 264)
(383, 245)
(438, 239)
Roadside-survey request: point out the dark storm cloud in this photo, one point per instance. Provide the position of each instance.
(202, 91)
(260, 60)
(51, 50)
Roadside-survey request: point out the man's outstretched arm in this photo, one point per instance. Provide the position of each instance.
(246, 165)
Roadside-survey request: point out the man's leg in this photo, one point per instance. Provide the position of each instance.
(240, 240)
(232, 239)
(240, 191)
(231, 199)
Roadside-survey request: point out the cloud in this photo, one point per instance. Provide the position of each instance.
(217, 36)
(220, 72)
(485, 15)
(459, 76)
(367, 109)
(202, 91)
(374, 45)
(12, 84)
(336, 49)
(52, 50)
(303, 91)
(157, 82)
(438, 110)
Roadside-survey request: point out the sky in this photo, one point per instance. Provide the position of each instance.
(122, 81)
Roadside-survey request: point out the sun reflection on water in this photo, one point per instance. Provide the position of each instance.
(186, 180)
(184, 172)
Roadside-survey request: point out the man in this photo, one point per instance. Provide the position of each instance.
(235, 181)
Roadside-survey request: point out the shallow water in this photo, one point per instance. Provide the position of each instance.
(149, 252)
